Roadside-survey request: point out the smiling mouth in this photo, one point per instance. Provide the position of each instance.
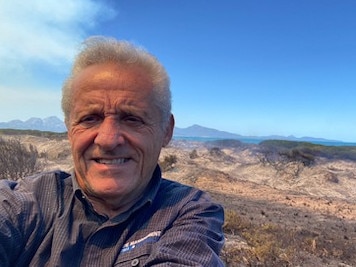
(112, 161)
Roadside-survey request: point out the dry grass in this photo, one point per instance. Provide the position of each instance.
(271, 244)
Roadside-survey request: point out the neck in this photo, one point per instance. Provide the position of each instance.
(110, 208)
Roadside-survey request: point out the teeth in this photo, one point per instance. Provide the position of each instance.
(112, 161)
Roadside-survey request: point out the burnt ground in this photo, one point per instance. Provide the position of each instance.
(304, 219)
(279, 214)
(318, 237)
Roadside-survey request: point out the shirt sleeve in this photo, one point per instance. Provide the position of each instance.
(21, 218)
(195, 238)
(10, 218)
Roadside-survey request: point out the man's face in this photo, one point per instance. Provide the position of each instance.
(115, 132)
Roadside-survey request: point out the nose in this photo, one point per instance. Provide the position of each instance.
(110, 134)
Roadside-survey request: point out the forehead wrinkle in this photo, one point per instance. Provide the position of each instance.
(111, 100)
(108, 102)
(132, 107)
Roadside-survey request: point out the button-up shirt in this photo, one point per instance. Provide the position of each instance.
(46, 220)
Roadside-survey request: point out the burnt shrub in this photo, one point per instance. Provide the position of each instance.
(17, 160)
(216, 152)
(299, 155)
(168, 162)
(283, 152)
(193, 154)
(306, 152)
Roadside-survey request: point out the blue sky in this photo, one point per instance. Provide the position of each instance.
(251, 67)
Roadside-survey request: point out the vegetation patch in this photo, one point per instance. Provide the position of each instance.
(46, 134)
(271, 244)
(168, 163)
(17, 160)
(306, 152)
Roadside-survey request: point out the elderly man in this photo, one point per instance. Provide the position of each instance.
(115, 209)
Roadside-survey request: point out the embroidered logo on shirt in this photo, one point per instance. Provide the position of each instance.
(150, 238)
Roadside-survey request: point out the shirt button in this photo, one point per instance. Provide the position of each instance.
(135, 262)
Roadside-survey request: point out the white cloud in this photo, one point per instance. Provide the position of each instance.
(37, 43)
(45, 30)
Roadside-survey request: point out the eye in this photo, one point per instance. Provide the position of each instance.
(90, 120)
(133, 120)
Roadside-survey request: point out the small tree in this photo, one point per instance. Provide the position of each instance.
(16, 159)
(168, 162)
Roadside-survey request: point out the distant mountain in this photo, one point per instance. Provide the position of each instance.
(54, 124)
(203, 132)
(200, 131)
(51, 124)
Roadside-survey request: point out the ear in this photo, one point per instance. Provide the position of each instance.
(66, 122)
(69, 132)
(69, 135)
(169, 131)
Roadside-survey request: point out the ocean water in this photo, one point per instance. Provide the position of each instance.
(258, 140)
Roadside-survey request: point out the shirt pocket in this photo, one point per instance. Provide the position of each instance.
(136, 256)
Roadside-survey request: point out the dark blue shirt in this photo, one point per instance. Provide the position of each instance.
(46, 220)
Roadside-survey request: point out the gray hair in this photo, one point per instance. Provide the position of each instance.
(98, 49)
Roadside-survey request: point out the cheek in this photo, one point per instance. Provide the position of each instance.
(80, 141)
(152, 152)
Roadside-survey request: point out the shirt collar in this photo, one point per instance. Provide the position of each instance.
(75, 182)
(153, 187)
(147, 197)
